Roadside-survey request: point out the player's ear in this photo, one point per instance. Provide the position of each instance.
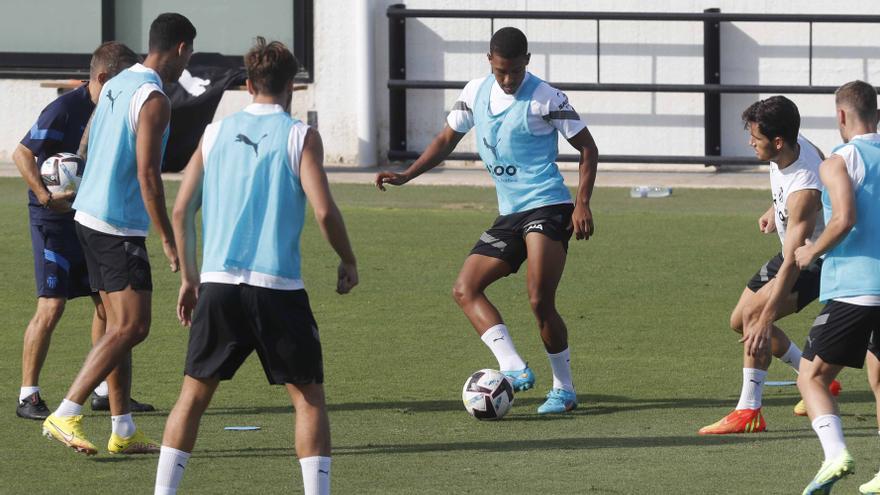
(103, 77)
(528, 57)
(489, 56)
(250, 87)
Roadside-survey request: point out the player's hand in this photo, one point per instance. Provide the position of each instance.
(766, 223)
(346, 278)
(804, 255)
(392, 178)
(171, 254)
(582, 222)
(59, 202)
(186, 302)
(756, 337)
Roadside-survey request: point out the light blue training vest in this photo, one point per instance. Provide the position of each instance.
(110, 190)
(852, 268)
(523, 165)
(253, 206)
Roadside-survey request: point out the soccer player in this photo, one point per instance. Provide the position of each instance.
(59, 265)
(251, 176)
(850, 285)
(120, 193)
(518, 117)
(779, 288)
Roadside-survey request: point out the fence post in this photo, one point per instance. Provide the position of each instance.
(397, 70)
(712, 75)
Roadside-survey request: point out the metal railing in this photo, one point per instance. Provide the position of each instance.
(712, 88)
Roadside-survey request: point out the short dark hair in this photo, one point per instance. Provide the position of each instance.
(170, 29)
(509, 42)
(114, 57)
(270, 66)
(776, 116)
(861, 97)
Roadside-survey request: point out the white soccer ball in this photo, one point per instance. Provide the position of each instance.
(62, 172)
(487, 394)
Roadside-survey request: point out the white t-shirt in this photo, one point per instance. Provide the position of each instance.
(549, 109)
(294, 150)
(802, 174)
(855, 167)
(134, 111)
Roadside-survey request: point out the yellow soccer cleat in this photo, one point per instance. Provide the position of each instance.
(800, 409)
(830, 472)
(872, 487)
(135, 444)
(739, 421)
(68, 430)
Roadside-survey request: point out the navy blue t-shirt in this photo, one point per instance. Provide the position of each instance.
(59, 129)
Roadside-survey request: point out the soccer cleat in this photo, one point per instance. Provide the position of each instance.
(558, 401)
(523, 379)
(33, 407)
(135, 444)
(68, 430)
(739, 421)
(102, 403)
(800, 409)
(830, 472)
(872, 487)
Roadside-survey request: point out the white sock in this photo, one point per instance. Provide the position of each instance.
(123, 425)
(68, 408)
(316, 475)
(172, 462)
(753, 386)
(830, 432)
(792, 357)
(102, 389)
(27, 392)
(561, 365)
(498, 340)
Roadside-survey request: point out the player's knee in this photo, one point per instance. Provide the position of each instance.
(736, 322)
(463, 293)
(133, 334)
(542, 306)
(50, 309)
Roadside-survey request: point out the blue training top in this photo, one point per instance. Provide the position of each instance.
(522, 164)
(58, 129)
(852, 267)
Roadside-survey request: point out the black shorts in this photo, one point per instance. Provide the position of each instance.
(230, 321)
(506, 239)
(806, 286)
(59, 263)
(842, 333)
(115, 262)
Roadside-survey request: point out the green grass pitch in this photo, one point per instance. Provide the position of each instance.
(646, 302)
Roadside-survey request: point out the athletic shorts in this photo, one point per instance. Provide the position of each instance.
(842, 333)
(506, 239)
(115, 262)
(806, 286)
(231, 321)
(59, 264)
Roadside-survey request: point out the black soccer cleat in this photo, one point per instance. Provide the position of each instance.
(100, 403)
(33, 407)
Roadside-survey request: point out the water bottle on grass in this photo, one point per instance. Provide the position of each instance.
(650, 192)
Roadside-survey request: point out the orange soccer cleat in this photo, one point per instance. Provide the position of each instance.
(739, 421)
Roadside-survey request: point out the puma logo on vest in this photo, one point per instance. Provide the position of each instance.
(492, 148)
(241, 138)
(112, 98)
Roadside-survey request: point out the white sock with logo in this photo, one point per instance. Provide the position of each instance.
(68, 408)
(792, 357)
(830, 432)
(172, 462)
(123, 425)
(102, 389)
(753, 386)
(316, 475)
(561, 365)
(498, 340)
(27, 392)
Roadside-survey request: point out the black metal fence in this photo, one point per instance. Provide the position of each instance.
(712, 88)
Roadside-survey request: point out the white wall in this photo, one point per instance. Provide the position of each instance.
(564, 51)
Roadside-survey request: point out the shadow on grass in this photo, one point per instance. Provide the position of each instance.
(590, 404)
